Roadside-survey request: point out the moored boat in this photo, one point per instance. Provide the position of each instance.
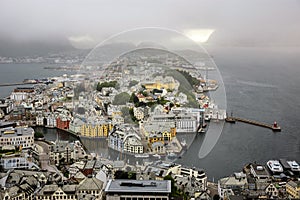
(274, 166)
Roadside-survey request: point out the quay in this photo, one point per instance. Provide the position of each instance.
(273, 127)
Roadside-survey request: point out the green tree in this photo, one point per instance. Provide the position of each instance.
(38, 135)
(175, 192)
(121, 99)
(106, 84)
(133, 83)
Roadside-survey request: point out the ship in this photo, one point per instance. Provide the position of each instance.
(274, 166)
(294, 166)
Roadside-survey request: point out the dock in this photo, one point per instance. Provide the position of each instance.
(273, 127)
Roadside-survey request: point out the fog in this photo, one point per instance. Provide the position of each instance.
(83, 24)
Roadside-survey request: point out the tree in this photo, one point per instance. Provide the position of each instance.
(175, 192)
(121, 99)
(38, 135)
(133, 83)
(106, 84)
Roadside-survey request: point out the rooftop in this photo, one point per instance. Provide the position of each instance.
(18, 131)
(141, 186)
(90, 184)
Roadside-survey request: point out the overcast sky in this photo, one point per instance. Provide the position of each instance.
(87, 22)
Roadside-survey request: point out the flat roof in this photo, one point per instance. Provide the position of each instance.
(138, 186)
(14, 132)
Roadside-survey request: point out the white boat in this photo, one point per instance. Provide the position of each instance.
(183, 142)
(294, 166)
(275, 166)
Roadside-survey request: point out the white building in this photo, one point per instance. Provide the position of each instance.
(125, 141)
(16, 162)
(51, 120)
(75, 125)
(20, 136)
(227, 185)
(186, 120)
(40, 120)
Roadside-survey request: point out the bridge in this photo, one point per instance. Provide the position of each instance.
(273, 127)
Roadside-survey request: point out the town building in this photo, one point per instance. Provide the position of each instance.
(117, 120)
(40, 120)
(293, 189)
(50, 120)
(138, 113)
(6, 105)
(89, 188)
(21, 93)
(19, 136)
(65, 152)
(17, 161)
(139, 189)
(160, 82)
(98, 129)
(125, 141)
(62, 122)
(75, 125)
(232, 185)
(271, 191)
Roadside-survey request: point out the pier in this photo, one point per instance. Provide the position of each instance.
(273, 127)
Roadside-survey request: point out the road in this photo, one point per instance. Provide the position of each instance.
(44, 156)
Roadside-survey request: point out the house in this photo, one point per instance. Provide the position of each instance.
(232, 185)
(126, 140)
(63, 151)
(90, 186)
(75, 125)
(96, 129)
(62, 122)
(271, 191)
(293, 189)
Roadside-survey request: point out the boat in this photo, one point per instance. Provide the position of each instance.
(183, 142)
(274, 166)
(294, 166)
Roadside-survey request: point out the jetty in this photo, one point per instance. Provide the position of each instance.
(273, 127)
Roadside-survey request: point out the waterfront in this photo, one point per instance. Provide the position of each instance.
(14, 73)
(261, 84)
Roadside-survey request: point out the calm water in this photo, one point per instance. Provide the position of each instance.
(261, 84)
(12, 73)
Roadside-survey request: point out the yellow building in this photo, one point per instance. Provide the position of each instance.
(293, 189)
(162, 83)
(164, 136)
(96, 130)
